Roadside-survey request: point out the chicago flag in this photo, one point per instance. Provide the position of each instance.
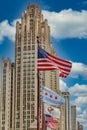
(51, 97)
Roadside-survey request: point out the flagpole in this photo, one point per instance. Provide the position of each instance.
(38, 103)
(43, 121)
(38, 95)
(38, 120)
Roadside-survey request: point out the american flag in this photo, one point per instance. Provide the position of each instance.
(50, 125)
(47, 61)
(51, 119)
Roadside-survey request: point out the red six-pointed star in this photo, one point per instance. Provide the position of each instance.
(51, 96)
(46, 93)
(56, 97)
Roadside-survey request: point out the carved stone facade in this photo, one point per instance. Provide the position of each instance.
(7, 96)
(32, 25)
(19, 81)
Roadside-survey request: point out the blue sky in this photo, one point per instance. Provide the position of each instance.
(68, 23)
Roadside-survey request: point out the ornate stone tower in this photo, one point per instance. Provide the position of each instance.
(32, 25)
(7, 95)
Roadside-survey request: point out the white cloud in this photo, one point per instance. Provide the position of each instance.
(82, 118)
(64, 24)
(80, 101)
(78, 69)
(81, 114)
(67, 23)
(7, 29)
(78, 110)
(85, 126)
(78, 90)
(63, 86)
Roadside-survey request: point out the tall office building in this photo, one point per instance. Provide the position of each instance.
(62, 118)
(7, 94)
(67, 126)
(73, 117)
(79, 126)
(32, 25)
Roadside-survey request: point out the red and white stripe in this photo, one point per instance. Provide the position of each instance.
(53, 62)
(51, 119)
(51, 125)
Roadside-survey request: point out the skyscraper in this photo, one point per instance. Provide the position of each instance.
(7, 94)
(66, 95)
(79, 126)
(73, 117)
(32, 25)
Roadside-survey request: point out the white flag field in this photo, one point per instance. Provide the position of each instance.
(52, 111)
(51, 97)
